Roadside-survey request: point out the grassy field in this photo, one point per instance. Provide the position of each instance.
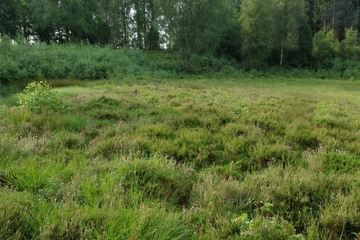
(191, 158)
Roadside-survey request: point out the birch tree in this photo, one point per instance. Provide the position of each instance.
(195, 26)
(289, 15)
(258, 29)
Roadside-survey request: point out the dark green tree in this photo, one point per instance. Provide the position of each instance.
(116, 14)
(45, 18)
(324, 50)
(231, 39)
(69, 21)
(289, 16)
(25, 23)
(348, 46)
(146, 29)
(9, 18)
(152, 36)
(195, 26)
(73, 20)
(305, 45)
(339, 15)
(83, 21)
(258, 29)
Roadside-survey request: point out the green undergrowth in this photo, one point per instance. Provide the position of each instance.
(194, 158)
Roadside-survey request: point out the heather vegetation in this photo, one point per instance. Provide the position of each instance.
(191, 158)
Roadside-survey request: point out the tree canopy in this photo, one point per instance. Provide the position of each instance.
(255, 33)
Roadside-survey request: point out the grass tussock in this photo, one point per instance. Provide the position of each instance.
(191, 159)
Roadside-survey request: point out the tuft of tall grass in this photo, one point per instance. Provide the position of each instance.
(17, 215)
(158, 178)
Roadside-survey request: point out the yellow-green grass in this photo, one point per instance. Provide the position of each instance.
(192, 158)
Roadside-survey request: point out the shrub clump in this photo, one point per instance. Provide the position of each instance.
(9, 70)
(38, 97)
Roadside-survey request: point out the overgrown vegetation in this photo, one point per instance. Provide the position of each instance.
(23, 62)
(200, 158)
(257, 34)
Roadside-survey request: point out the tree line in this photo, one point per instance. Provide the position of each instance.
(256, 33)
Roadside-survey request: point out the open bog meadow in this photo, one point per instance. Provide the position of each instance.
(184, 158)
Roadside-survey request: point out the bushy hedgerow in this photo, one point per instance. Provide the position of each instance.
(70, 61)
(9, 70)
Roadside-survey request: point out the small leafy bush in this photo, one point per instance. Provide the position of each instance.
(38, 96)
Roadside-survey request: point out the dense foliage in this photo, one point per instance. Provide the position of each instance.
(25, 61)
(254, 33)
(242, 158)
(22, 62)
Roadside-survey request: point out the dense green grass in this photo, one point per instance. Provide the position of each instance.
(198, 158)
